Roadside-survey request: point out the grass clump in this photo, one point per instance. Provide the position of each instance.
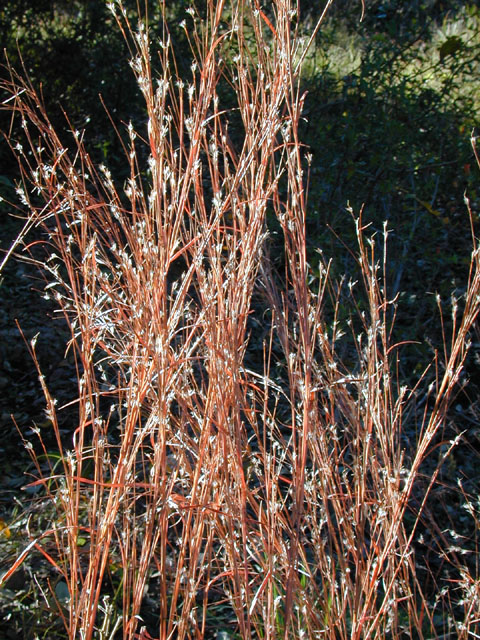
(201, 485)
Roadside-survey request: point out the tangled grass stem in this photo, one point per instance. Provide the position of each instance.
(190, 478)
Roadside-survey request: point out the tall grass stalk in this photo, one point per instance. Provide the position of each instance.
(279, 491)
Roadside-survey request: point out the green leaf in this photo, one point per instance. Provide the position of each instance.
(61, 591)
(450, 47)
